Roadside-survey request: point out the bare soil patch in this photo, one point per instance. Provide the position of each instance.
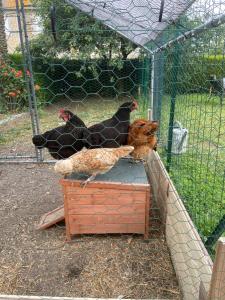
(41, 263)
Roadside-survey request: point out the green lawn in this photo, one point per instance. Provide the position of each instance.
(199, 174)
(90, 111)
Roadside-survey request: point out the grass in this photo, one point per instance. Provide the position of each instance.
(15, 130)
(91, 111)
(199, 173)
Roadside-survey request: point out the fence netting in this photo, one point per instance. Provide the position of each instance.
(74, 75)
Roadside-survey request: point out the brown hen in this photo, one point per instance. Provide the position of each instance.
(142, 136)
(92, 161)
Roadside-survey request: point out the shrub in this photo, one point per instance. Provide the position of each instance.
(12, 87)
(77, 79)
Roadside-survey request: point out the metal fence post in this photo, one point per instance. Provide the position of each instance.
(175, 66)
(28, 67)
(158, 84)
(213, 237)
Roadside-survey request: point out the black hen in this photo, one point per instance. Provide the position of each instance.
(63, 141)
(113, 132)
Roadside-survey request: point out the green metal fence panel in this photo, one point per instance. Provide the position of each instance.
(193, 96)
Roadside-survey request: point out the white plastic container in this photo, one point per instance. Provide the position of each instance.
(180, 138)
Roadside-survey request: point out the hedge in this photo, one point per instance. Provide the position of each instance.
(194, 73)
(77, 79)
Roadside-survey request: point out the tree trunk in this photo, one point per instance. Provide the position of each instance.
(3, 43)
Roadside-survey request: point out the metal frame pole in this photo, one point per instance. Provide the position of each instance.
(145, 84)
(151, 109)
(175, 62)
(29, 79)
(193, 33)
(25, 68)
(158, 85)
(24, 161)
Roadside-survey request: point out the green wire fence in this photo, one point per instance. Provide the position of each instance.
(178, 75)
(193, 94)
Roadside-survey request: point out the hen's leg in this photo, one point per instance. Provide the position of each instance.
(92, 177)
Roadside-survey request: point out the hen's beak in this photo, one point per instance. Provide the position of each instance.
(63, 115)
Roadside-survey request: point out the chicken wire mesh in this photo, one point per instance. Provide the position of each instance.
(60, 60)
(192, 134)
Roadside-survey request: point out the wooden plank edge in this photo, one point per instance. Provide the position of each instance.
(217, 287)
(182, 208)
(44, 225)
(155, 158)
(17, 297)
(65, 198)
(106, 185)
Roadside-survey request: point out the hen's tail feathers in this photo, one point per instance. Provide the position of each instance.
(64, 167)
(124, 151)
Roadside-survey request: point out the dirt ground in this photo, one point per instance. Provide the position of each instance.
(41, 262)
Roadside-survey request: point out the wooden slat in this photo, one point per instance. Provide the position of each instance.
(107, 228)
(107, 219)
(99, 185)
(66, 209)
(159, 183)
(190, 258)
(106, 209)
(217, 287)
(109, 199)
(98, 191)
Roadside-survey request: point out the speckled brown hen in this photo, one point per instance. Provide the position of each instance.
(92, 161)
(142, 135)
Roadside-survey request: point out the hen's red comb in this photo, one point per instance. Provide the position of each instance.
(61, 111)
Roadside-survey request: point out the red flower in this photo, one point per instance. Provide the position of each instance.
(28, 73)
(12, 94)
(19, 73)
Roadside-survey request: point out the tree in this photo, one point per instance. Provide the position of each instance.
(77, 34)
(3, 43)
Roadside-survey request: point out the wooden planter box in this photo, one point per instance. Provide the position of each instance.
(116, 202)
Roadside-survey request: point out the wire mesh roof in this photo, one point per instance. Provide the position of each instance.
(141, 21)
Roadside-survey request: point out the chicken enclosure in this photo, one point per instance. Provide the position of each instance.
(78, 74)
